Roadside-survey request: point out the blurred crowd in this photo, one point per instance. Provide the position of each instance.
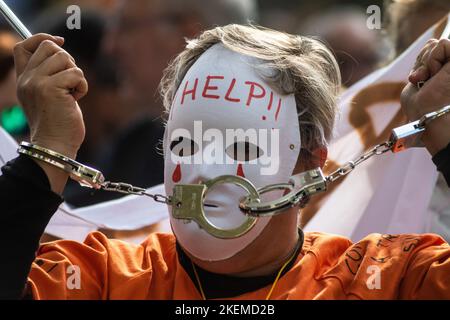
(124, 46)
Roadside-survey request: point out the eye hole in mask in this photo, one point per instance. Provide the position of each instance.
(244, 151)
(183, 147)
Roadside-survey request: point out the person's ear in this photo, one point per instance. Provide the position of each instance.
(320, 157)
(317, 159)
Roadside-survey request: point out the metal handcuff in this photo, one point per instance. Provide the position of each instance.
(187, 200)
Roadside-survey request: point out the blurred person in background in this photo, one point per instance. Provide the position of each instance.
(106, 7)
(26, 10)
(12, 118)
(145, 33)
(358, 49)
(151, 32)
(104, 113)
(8, 95)
(189, 265)
(124, 140)
(405, 21)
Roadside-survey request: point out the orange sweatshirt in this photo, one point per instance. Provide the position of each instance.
(328, 267)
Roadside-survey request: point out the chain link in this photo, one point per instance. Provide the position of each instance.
(382, 148)
(342, 171)
(159, 198)
(351, 165)
(126, 188)
(433, 115)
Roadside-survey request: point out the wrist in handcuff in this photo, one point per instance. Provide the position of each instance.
(181, 201)
(66, 149)
(67, 166)
(28, 171)
(437, 135)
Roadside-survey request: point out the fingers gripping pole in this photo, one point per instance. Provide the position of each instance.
(14, 21)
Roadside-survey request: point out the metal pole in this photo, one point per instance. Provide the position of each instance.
(14, 21)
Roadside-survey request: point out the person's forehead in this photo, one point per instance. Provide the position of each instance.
(224, 86)
(230, 103)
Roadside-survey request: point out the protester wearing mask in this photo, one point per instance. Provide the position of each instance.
(231, 77)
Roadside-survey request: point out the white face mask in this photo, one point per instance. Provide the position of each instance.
(220, 93)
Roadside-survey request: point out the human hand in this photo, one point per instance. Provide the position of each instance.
(433, 67)
(49, 84)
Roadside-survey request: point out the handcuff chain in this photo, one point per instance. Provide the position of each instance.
(126, 188)
(433, 115)
(348, 167)
(383, 147)
(351, 165)
(93, 178)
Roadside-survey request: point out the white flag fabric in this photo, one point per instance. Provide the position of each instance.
(388, 193)
(125, 214)
(8, 147)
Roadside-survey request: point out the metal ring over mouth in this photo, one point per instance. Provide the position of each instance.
(188, 204)
(300, 187)
(270, 208)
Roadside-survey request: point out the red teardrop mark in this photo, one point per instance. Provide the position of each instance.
(240, 171)
(176, 175)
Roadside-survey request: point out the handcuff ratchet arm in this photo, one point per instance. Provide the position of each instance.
(301, 187)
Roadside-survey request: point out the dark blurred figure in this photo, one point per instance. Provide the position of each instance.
(358, 49)
(8, 97)
(406, 20)
(12, 117)
(143, 37)
(101, 108)
(27, 10)
(119, 156)
(146, 34)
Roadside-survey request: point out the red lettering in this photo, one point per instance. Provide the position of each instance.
(230, 89)
(191, 92)
(209, 87)
(278, 110)
(270, 101)
(252, 94)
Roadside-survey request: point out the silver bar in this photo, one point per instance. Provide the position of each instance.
(14, 21)
(407, 136)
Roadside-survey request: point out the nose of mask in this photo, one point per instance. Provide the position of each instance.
(204, 96)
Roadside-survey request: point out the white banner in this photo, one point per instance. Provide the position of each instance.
(127, 213)
(388, 193)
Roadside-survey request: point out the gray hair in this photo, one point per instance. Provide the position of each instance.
(301, 66)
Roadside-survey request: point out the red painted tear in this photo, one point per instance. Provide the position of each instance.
(240, 171)
(176, 175)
